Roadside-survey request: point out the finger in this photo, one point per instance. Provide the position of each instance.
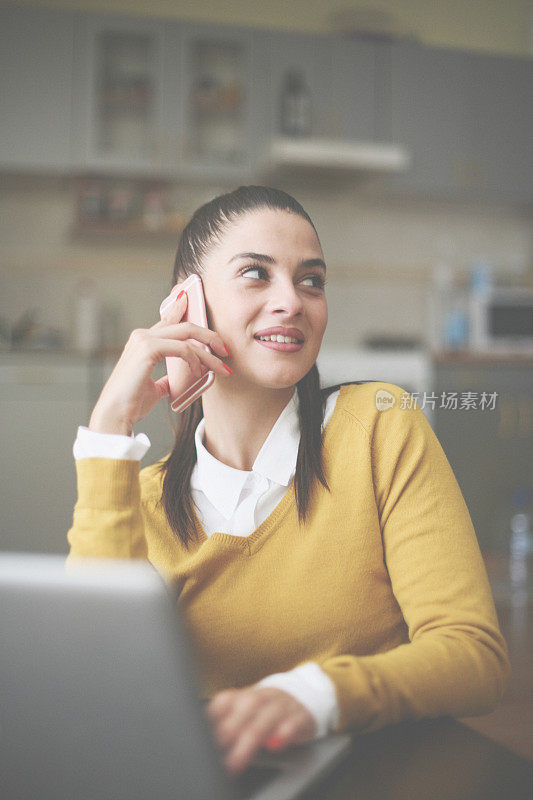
(188, 330)
(259, 720)
(243, 752)
(175, 310)
(221, 704)
(260, 716)
(195, 355)
(274, 743)
(160, 349)
(162, 387)
(297, 729)
(198, 360)
(256, 734)
(243, 706)
(209, 360)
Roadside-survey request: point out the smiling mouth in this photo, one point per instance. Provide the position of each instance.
(279, 339)
(280, 347)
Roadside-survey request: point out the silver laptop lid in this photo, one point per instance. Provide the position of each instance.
(98, 695)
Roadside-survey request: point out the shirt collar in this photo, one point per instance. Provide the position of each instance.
(276, 461)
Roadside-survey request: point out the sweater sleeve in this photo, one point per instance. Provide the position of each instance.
(107, 520)
(456, 661)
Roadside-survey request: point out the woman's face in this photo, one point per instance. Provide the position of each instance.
(267, 271)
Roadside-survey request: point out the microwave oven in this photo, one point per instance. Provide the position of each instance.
(501, 319)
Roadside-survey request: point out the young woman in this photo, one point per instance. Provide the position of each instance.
(327, 567)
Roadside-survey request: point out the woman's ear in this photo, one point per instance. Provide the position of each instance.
(208, 316)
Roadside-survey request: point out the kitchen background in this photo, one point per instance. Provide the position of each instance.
(405, 130)
(406, 136)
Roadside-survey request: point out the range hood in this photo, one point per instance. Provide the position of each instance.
(322, 157)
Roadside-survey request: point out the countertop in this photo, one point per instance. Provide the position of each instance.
(482, 358)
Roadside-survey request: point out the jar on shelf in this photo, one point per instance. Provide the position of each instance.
(121, 204)
(92, 202)
(155, 209)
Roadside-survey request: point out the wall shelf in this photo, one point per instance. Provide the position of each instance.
(130, 229)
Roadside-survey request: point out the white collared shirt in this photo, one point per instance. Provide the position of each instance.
(240, 500)
(237, 501)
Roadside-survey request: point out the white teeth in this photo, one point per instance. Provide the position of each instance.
(278, 338)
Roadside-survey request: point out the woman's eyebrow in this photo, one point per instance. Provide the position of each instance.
(256, 256)
(309, 262)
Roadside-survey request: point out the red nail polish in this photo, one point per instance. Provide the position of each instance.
(227, 350)
(178, 297)
(274, 742)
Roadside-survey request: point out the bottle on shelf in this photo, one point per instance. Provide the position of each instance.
(481, 281)
(520, 540)
(440, 297)
(87, 308)
(456, 327)
(448, 319)
(296, 111)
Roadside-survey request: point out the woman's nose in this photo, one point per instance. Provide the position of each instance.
(286, 298)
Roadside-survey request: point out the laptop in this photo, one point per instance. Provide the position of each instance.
(99, 699)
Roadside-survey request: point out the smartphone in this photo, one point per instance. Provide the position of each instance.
(178, 371)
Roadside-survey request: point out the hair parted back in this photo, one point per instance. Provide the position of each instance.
(208, 222)
(201, 233)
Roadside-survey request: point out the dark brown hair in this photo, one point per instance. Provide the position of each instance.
(199, 235)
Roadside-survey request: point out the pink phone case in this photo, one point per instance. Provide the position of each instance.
(178, 370)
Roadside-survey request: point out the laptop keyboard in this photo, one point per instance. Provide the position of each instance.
(253, 778)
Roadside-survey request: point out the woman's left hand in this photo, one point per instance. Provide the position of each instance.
(246, 719)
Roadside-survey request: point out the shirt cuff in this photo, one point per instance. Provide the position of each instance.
(315, 690)
(90, 444)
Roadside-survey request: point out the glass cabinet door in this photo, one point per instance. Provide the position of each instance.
(124, 102)
(216, 99)
(121, 104)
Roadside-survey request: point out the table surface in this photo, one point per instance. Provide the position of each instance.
(438, 759)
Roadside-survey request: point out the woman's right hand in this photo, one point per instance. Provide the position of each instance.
(130, 392)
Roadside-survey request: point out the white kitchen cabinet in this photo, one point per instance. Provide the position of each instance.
(340, 76)
(430, 116)
(467, 119)
(168, 99)
(215, 70)
(36, 57)
(43, 399)
(351, 91)
(121, 118)
(83, 92)
(501, 125)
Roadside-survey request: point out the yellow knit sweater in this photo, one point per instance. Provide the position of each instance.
(383, 586)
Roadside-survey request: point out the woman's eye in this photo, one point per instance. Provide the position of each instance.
(253, 269)
(317, 281)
